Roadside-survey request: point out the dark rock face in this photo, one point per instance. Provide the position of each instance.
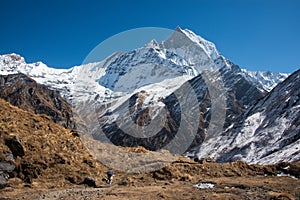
(245, 92)
(27, 94)
(12, 149)
(141, 117)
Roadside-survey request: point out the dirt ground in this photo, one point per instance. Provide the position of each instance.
(224, 188)
(176, 181)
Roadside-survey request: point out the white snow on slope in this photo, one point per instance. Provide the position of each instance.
(269, 134)
(252, 145)
(266, 79)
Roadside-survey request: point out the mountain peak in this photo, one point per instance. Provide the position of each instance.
(209, 47)
(13, 57)
(152, 44)
(178, 29)
(9, 63)
(185, 38)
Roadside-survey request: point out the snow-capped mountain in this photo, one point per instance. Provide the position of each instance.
(183, 54)
(62, 80)
(145, 81)
(268, 132)
(58, 79)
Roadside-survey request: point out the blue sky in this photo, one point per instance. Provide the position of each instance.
(255, 34)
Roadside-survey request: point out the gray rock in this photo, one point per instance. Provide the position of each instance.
(5, 169)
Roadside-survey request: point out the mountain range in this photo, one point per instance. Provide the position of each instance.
(241, 115)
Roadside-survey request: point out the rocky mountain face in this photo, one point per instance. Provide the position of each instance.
(158, 88)
(145, 105)
(267, 132)
(240, 94)
(27, 94)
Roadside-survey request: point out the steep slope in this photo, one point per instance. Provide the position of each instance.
(194, 49)
(37, 151)
(268, 132)
(54, 160)
(25, 93)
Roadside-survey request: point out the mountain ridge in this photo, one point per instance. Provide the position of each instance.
(13, 63)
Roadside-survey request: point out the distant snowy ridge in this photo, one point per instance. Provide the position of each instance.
(58, 79)
(62, 80)
(268, 80)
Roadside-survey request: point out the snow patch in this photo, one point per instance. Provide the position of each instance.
(204, 185)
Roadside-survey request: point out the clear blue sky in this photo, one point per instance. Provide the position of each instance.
(255, 34)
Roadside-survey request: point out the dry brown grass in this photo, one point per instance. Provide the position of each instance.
(54, 157)
(280, 196)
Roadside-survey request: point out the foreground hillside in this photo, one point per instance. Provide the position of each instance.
(43, 160)
(36, 151)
